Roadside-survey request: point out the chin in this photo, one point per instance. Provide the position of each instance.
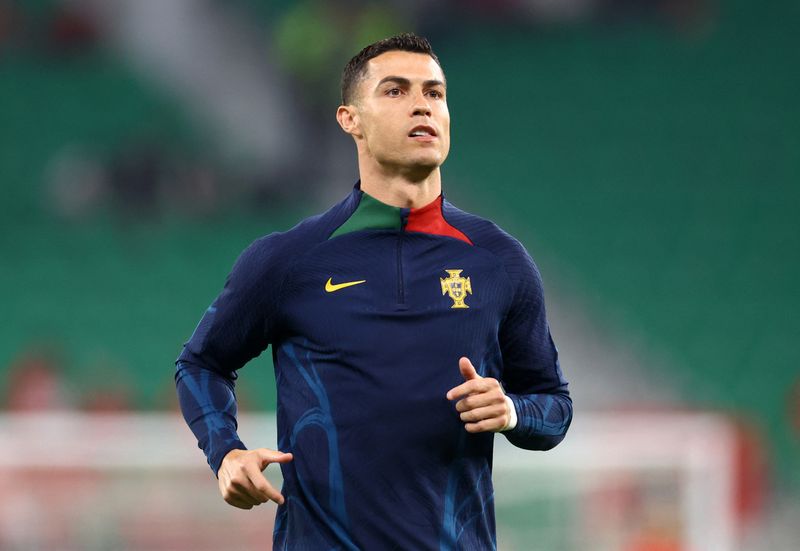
(418, 165)
(427, 161)
(423, 166)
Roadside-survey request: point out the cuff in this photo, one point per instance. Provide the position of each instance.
(512, 415)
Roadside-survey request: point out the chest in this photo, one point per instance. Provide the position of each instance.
(365, 278)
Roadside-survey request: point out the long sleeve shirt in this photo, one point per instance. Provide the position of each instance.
(368, 308)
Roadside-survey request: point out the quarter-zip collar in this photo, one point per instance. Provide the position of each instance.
(371, 213)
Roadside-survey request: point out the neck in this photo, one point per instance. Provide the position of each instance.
(401, 190)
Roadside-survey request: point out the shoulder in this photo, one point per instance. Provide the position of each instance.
(275, 252)
(488, 235)
(526, 287)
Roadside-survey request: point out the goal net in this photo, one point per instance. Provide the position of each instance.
(623, 481)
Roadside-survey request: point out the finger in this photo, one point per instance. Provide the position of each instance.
(256, 483)
(480, 400)
(240, 484)
(464, 389)
(470, 387)
(496, 411)
(261, 487)
(232, 495)
(245, 492)
(467, 369)
(239, 502)
(267, 456)
(487, 425)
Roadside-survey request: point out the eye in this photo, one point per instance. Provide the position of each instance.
(394, 92)
(436, 94)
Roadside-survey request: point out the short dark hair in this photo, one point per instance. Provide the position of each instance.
(356, 68)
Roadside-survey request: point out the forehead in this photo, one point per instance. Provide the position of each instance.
(411, 65)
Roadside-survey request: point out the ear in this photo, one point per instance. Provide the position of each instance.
(347, 116)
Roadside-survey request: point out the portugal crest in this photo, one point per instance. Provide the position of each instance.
(456, 287)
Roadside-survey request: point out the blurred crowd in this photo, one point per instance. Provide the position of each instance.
(139, 182)
(146, 176)
(38, 380)
(56, 31)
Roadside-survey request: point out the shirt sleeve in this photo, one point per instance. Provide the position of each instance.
(532, 375)
(236, 328)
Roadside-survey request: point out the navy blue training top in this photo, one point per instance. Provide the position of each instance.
(368, 308)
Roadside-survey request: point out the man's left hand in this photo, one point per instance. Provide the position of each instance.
(481, 400)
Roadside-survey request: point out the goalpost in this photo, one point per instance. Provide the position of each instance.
(621, 481)
(137, 481)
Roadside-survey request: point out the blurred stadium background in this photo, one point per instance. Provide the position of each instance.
(647, 152)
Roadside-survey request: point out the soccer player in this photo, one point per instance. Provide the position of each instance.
(405, 332)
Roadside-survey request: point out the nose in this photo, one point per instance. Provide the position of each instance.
(421, 105)
(423, 111)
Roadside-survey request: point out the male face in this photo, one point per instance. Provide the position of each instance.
(401, 113)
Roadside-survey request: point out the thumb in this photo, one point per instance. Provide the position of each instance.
(271, 456)
(467, 369)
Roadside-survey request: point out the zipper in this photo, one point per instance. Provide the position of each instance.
(401, 294)
(400, 291)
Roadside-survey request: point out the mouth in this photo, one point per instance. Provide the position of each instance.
(423, 133)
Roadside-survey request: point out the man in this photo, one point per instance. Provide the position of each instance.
(405, 333)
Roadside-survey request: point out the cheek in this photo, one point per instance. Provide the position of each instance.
(380, 128)
(374, 133)
(445, 121)
(446, 130)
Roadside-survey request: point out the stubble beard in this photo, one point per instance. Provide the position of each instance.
(413, 167)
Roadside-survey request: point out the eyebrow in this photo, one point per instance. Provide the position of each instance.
(405, 82)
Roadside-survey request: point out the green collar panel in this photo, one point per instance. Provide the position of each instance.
(371, 214)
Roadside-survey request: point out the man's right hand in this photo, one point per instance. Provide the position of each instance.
(241, 481)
